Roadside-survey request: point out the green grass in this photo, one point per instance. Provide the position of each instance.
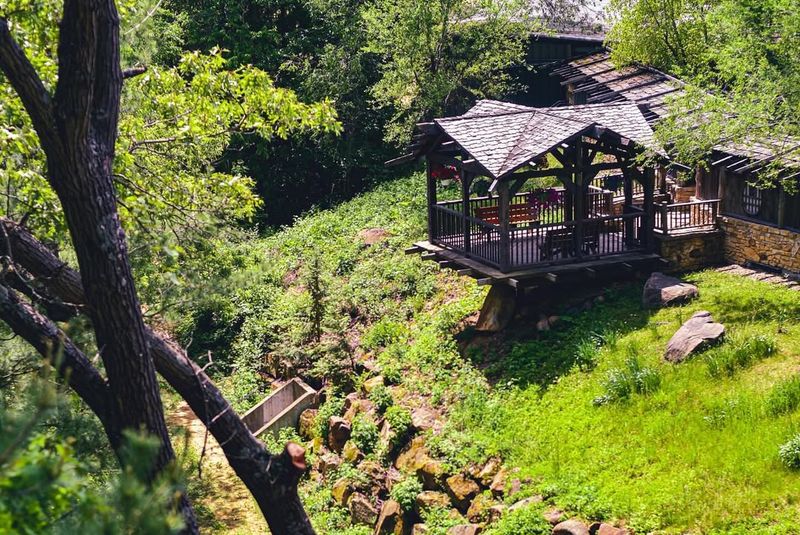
(698, 453)
(673, 448)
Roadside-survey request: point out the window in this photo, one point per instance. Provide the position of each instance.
(751, 200)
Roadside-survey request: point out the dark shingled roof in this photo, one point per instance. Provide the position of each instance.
(503, 137)
(600, 80)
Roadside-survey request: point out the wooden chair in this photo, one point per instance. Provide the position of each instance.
(561, 243)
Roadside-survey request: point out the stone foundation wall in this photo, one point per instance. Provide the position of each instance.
(687, 252)
(747, 241)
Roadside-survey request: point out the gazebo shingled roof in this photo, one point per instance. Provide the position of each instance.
(503, 137)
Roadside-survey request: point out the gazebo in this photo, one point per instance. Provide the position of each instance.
(565, 187)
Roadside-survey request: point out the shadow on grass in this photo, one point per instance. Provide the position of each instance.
(524, 356)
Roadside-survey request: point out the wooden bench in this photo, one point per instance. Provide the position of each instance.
(517, 213)
(561, 243)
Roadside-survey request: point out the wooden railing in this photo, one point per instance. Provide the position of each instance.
(686, 216)
(552, 244)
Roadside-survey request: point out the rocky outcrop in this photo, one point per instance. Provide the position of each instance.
(601, 528)
(697, 333)
(465, 529)
(306, 423)
(498, 309)
(662, 290)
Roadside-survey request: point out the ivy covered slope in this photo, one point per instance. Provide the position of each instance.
(586, 415)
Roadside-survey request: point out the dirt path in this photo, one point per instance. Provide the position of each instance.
(225, 501)
(760, 275)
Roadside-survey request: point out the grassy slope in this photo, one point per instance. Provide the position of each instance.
(699, 454)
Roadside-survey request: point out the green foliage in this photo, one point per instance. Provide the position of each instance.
(525, 521)
(365, 434)
(381, 397)
(737, 353)
(789, 453)
(438, 55)
(333, 406)
(399, 419)
(632, 378)
(383, 333)
(784, 397)
(316, 293)
(405, 492)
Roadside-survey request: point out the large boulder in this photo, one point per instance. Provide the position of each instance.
(499, 482)
(461, 489)
(341, 491)
(486, 474)
(328, 462)
(479, 508)
(419, 529)
(498, 309)
(522, 504)
(412, 456)
(338, 433)
(423, 419)
(350, 453)
(361, 509)
(373, 383)
(390, 520)
(697, 333)
(431, 472)
(571, 527)
(662, 290)
(306, 423)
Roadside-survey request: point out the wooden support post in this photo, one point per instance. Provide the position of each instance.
(699, 181)
(781, 207)
(581, 190)
(661, 173)
(431, 201)
(627, 174)
(466, 182)
(649, 215)
(722, 188)
(505, 240)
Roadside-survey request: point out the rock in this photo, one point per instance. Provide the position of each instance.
(498, 485)
(498, 309)
(525, 503)
(328, 462)
(423, 419)
(461, 489)
(412, 456)
(601, 528)
(429, 499)
(431, 472)
(553, 516)
(361, 509)
(390, 520)
(341, 491)
(350, 453)
(516, 486)
(372, 383)
(662, 290)
(489, 470)
(338, 433)
(419, 529)
(571, 527)
(360, 406)
(465, 529)
(305, 423)
(698, 332)
(371, 236)
(495, 513)
(479, 508)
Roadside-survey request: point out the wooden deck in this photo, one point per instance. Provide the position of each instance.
(522, 277)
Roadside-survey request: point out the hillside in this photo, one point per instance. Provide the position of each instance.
(586, 416)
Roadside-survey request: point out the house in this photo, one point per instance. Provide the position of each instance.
(758, 226)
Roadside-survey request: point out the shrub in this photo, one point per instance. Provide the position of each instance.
(790, 453)
(739, 353)
(381, 397)
(365, 434)
(405, 492)
(784, 397)
(333, 406)
(400, 421)
(383, 333)
(632, 378)
(526, 521)
(586, 353)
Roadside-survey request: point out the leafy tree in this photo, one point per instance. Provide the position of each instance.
(439, 56)
(742, 63)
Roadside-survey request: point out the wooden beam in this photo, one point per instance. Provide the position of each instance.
(590, 272)
(466, 272)
(405, 158)
(447, 264)
(552, 277)
(488, 281)
(429, 256)
(414, 249)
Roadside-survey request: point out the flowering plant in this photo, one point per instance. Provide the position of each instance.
(445, 172)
